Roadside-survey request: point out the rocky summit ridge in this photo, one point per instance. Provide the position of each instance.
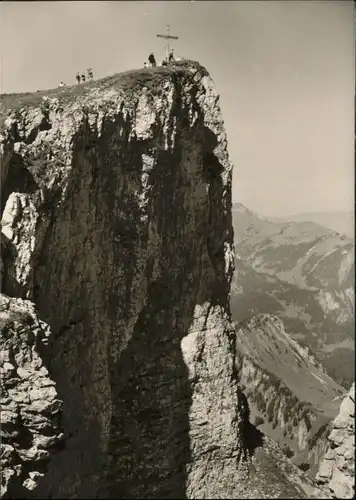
(119, 359)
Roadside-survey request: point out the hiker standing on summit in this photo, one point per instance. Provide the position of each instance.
(152, 60)
(171, 56)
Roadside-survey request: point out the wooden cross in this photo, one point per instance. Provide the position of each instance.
(168, 37)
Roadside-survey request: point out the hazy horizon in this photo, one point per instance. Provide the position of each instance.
(284, 71)
(338, 212)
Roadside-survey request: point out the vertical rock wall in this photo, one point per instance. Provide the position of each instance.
(116, 223)
(117, 215)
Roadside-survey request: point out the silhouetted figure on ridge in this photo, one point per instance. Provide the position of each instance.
(171, 56)
(77, 76)
(152, 60)
(83, 77)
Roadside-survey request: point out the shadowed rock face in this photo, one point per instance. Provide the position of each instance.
(121, 234)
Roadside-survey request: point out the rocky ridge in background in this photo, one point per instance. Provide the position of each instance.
(341, 222)
(290, 395)
(304, 274)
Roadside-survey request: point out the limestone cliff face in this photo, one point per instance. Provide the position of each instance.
(337, 470)
(116, 215)
(116, 223)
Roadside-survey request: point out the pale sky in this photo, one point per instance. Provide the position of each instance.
(284, 70)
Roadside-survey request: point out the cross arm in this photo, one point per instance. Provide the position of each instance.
(168, 36)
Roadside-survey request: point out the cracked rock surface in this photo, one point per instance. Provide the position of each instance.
(337, 470)
(30, 408)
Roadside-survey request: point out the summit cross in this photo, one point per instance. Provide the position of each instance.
(167, 37)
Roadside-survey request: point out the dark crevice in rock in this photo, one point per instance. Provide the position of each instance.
(14, 130)
(64, 329)
(25, 437)
(252, 436)
(9, 284)
(43, 126)
(18, 179)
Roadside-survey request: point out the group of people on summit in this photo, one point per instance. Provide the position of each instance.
(152, 61)
(83, 77)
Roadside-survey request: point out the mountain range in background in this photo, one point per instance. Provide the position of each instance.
(341, 222)
(291, 397)
(292, 303)
(302, 273)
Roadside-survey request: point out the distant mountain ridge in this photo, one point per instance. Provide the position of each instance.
(304, 274)
(341, 222)
(290, 395)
